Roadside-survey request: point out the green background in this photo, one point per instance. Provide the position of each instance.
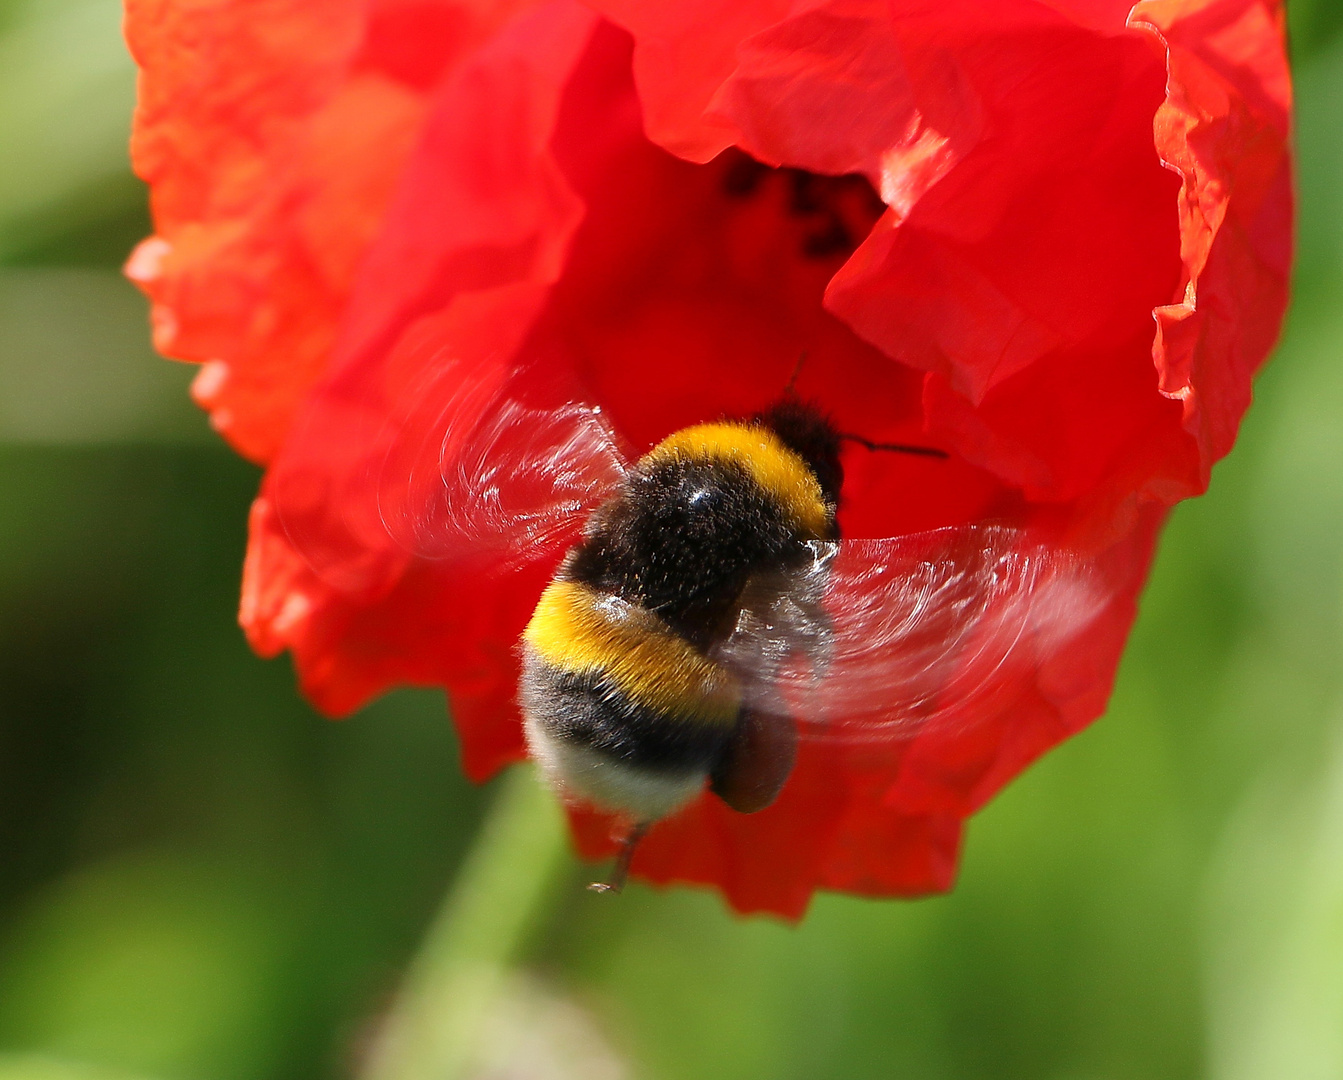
(200, 879)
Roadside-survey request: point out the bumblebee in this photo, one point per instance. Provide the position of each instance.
(706, 621)
(624, 701)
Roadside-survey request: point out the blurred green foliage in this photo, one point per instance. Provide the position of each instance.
(199, 879)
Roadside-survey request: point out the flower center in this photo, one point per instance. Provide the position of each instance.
(836, 212)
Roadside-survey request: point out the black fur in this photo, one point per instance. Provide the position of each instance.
(588, 711)
(805, 430)
(680, 540)
(682, 537)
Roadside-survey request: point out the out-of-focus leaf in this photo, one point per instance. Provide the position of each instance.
(1319, 105)
(1276, 955)
(77, 368)
(67, 87)
(35, 1067)
(1315, 25)
(154, 963)
(1274, 972)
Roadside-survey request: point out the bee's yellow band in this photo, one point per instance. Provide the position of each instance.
(779, 472)
(582, 632)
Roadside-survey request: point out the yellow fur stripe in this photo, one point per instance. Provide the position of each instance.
(781, 473)
(582, 632)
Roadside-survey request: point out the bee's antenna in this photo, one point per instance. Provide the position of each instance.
(788, 391)
(899, 448)
(621, 870)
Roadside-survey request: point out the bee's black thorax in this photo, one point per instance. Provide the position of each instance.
(808, 432)
(684, 534)
(681, 541)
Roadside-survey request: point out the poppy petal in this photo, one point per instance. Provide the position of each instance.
(1049, 236)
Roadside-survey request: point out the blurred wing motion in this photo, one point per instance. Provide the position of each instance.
(871, 640)
(476, 470)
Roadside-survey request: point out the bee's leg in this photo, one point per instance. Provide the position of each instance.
(621, 870)
(757, 762)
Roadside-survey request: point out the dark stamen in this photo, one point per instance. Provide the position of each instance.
(743, 176)
(832, 213)
(805, 196)
(789, 390)
(832, 239)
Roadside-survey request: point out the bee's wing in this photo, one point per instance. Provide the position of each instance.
(480, 466)
(871, 640)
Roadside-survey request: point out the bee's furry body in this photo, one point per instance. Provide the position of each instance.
(623, 703)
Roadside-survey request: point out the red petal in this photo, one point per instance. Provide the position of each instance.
(1002, 306)
(272, 134)
(830, 828)
(685, 51)
(479, 223)
(716, 334)
(1031, 219)
(1225, 127)
(957, 765)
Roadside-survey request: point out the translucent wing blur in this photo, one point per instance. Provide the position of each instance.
(478, 469)
(869, 640)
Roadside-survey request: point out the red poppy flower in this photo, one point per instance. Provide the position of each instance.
(1052, 236)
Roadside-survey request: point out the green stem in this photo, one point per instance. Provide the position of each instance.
(460, 971)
